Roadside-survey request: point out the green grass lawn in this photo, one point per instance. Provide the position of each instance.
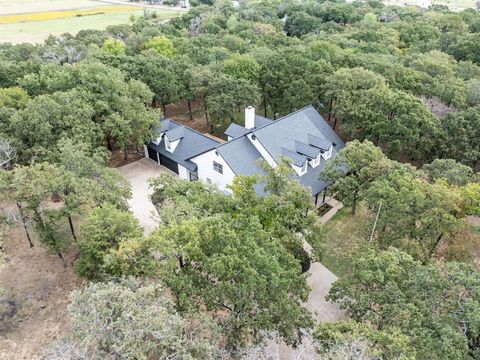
(342, 239)
(36, 32)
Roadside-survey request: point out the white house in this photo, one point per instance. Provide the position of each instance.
(303, 136)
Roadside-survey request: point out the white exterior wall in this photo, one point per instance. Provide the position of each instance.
(183, 173)
(173, 146)
(298, 170)
(205, 170)
(261, 149)
(158, 139)
(328, 154)
(250, 117)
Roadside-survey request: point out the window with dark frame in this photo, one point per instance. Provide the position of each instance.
(218, 167)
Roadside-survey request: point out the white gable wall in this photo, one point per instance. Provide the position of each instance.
(205, 170)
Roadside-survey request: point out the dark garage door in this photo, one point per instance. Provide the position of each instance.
(152, 153)
(169, 163)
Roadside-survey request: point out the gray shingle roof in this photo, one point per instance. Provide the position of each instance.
(295, 135)
(298, 126)
(261, 121)
(241, 156)
(319, 143)
(307, 150)
(175, 133)
(298, 159)
(235, 130)
(191, 144)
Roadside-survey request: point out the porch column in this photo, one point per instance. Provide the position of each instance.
(324, 194)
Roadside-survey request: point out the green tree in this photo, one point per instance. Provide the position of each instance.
(242, 67)
(32, 189)
(233, 266)
(104, 229)
(227, 96)
(461, 136)
(114, 47)
(159, 74)
(162, 45)
(106, 185)
(353, 170)
(415, 214)
(435, 306)
(375, 344)
(394, 120)
(14, 97)
(48, 118)
(450, 170)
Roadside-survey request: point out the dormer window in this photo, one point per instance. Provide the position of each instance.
(328, 154)
(315, 162)
(303, 169)
(168, 146)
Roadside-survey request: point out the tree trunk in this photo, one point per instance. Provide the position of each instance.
(109, 144)
(354, 204)
(61, 258)
(125, 152)
(330, 109)
(265, 105)
(24, 224)
(72, 229)
(335, 122)
(206, 110)
(434, 248)
(76, 257)
(164, 109)
(189, 103)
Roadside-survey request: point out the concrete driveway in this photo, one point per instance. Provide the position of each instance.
(138, 173)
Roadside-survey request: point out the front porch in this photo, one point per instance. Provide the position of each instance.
(326, 204)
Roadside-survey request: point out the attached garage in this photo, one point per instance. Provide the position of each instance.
(152, 153)
(174, 145)
(169, 163)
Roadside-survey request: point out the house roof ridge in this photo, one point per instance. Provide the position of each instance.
(283, 117)
(192, 129)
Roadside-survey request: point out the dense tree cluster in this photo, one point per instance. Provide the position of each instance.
(404, 78)
(407, 310)
(419, 208)
(238, 257)
(400, 83)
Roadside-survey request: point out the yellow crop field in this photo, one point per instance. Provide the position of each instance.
(52, 15)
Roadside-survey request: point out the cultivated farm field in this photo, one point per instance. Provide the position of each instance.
(32, 21)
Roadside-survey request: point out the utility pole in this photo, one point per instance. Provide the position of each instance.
(375, 223)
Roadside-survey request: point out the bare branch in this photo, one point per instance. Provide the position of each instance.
(8, 154)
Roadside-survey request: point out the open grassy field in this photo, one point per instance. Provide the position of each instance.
(32, 21)
(455, 5)
(62, 14)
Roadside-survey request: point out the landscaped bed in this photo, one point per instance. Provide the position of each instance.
(324, 208)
